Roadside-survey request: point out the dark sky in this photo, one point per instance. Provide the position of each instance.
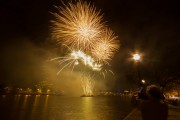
(150, 27)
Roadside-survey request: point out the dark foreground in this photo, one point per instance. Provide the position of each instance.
(13, 107)
(173, 114)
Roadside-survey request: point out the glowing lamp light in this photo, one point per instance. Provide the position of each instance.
(136, 57)
(143, 81)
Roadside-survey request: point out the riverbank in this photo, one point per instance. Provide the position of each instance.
(173, 114)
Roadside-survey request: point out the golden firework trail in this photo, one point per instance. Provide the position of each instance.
(87, 85)
(72, 59)
(64, 62)
(106, 71)
(78, 25)
(105, 48)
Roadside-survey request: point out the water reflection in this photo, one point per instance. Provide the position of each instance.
(34, 106)
(44, 107)
(23, 107)
(88, 110)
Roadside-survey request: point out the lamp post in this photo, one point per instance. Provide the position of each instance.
(137, 58)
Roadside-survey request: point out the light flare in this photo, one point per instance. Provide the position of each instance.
(136, 57)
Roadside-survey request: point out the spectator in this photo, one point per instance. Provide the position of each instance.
(155, 108)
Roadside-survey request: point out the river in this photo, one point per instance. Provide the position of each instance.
(44, 107)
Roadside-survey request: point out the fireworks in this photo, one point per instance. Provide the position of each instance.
(87, 60)
(72, 59)
(78, 25)
(87, 85)
(104, 49)
(104, 72)
(67, 61)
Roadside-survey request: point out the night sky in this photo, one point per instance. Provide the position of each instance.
(150, 27)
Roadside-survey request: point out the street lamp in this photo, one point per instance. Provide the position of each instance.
(143, 81)
(136, 57)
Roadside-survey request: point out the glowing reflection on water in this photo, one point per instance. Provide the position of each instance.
(63, 108)
(44, 109)
(88, 107)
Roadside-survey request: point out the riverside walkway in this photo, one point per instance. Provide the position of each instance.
(173, 114)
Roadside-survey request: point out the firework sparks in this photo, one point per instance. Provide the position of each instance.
(87, 85)
(78, 25)
(105, 72)
(72, 59)
(87, 60)
(68, 61)
(104, 49)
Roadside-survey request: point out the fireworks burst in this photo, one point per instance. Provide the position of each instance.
(87, 60)
(78, 25)
(104, 50)
(72, 59)
(67, 61)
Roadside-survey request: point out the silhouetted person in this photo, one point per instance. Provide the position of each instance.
(154, 108)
